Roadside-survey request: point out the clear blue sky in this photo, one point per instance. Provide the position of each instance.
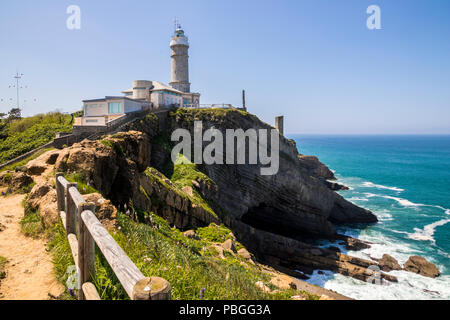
(313, 61)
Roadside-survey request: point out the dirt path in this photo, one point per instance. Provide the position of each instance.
(29, 271)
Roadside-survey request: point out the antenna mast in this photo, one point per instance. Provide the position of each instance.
(18, 77)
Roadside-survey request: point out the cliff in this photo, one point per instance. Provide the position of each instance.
(273, 216)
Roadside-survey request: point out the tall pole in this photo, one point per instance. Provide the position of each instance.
(17, 77)
(243, 100)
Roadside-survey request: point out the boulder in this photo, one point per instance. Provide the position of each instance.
(15, 180)
(421, 266)
(244, 254)
(263, 287)
(188, 190)
(228, 245)
(355, 244)
(191, 235)
(43, 197)
(40, 164)
(283, 282)
(388, 263)
(105, 211)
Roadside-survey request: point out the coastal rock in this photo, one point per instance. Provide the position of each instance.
(263, 287)
(228, 245)
(294, 201)
(283, 282)
(191, 235)
(42, 197)
(244, 254)
(40, 164)
(105, 211)
(15, 180)
(388, 263)
(421, 266)
(336, 186)
(353, 244)
(316, 167)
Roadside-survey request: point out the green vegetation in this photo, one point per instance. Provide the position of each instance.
(20, 135)
(191, 114)
(3, 262)
(189, 265)
(82, 184)
(114, 143)
(32, 225)
(183, 175)
(17, 165)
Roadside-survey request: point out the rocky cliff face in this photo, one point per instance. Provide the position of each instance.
(296, 201)
(271, 215)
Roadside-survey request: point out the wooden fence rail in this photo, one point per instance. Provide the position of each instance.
(84, 231)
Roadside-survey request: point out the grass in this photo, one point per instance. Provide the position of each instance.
(32, 225)
(184, 174)
(176, 186)
(159, 250)
(23, 162)
(25, 134)
(191, 114)
(3, 262)
(81, 180)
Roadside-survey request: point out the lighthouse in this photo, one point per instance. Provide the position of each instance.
(179, 46)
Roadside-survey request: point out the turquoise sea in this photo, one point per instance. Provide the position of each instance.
(405, 181)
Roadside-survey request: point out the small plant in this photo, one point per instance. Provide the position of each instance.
(3, 262)
(82, 182)
(32, 225)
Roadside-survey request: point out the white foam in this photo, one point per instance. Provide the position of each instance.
(428, 231)
(357, 199)
(409, 286)
(406, 202)
(369, 184)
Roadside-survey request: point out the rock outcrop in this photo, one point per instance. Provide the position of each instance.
(294, 201)
(421, 266)
(43, 197)
(270, 215)
(388, 263)
(15, 181)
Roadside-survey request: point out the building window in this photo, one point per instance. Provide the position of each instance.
(115, 107)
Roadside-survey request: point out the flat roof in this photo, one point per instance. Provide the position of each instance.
(113, 98)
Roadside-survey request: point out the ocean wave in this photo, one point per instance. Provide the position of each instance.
(369, 184)
(406, 202)
(357, 199)
(426, 234)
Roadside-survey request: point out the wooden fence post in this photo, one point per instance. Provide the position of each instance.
(86, 250)
(154, 288)
(71, 209)
(60, 193)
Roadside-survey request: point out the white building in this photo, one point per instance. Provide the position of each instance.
(159, 94)
(146, 93)
(98, 112)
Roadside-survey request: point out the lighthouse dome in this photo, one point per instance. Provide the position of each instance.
(179, 38)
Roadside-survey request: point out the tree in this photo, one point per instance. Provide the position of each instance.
(2, 115)
(14, 113)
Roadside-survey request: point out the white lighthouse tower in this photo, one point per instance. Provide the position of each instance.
(179, 45)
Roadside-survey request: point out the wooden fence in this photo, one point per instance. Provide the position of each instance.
(78, 215)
